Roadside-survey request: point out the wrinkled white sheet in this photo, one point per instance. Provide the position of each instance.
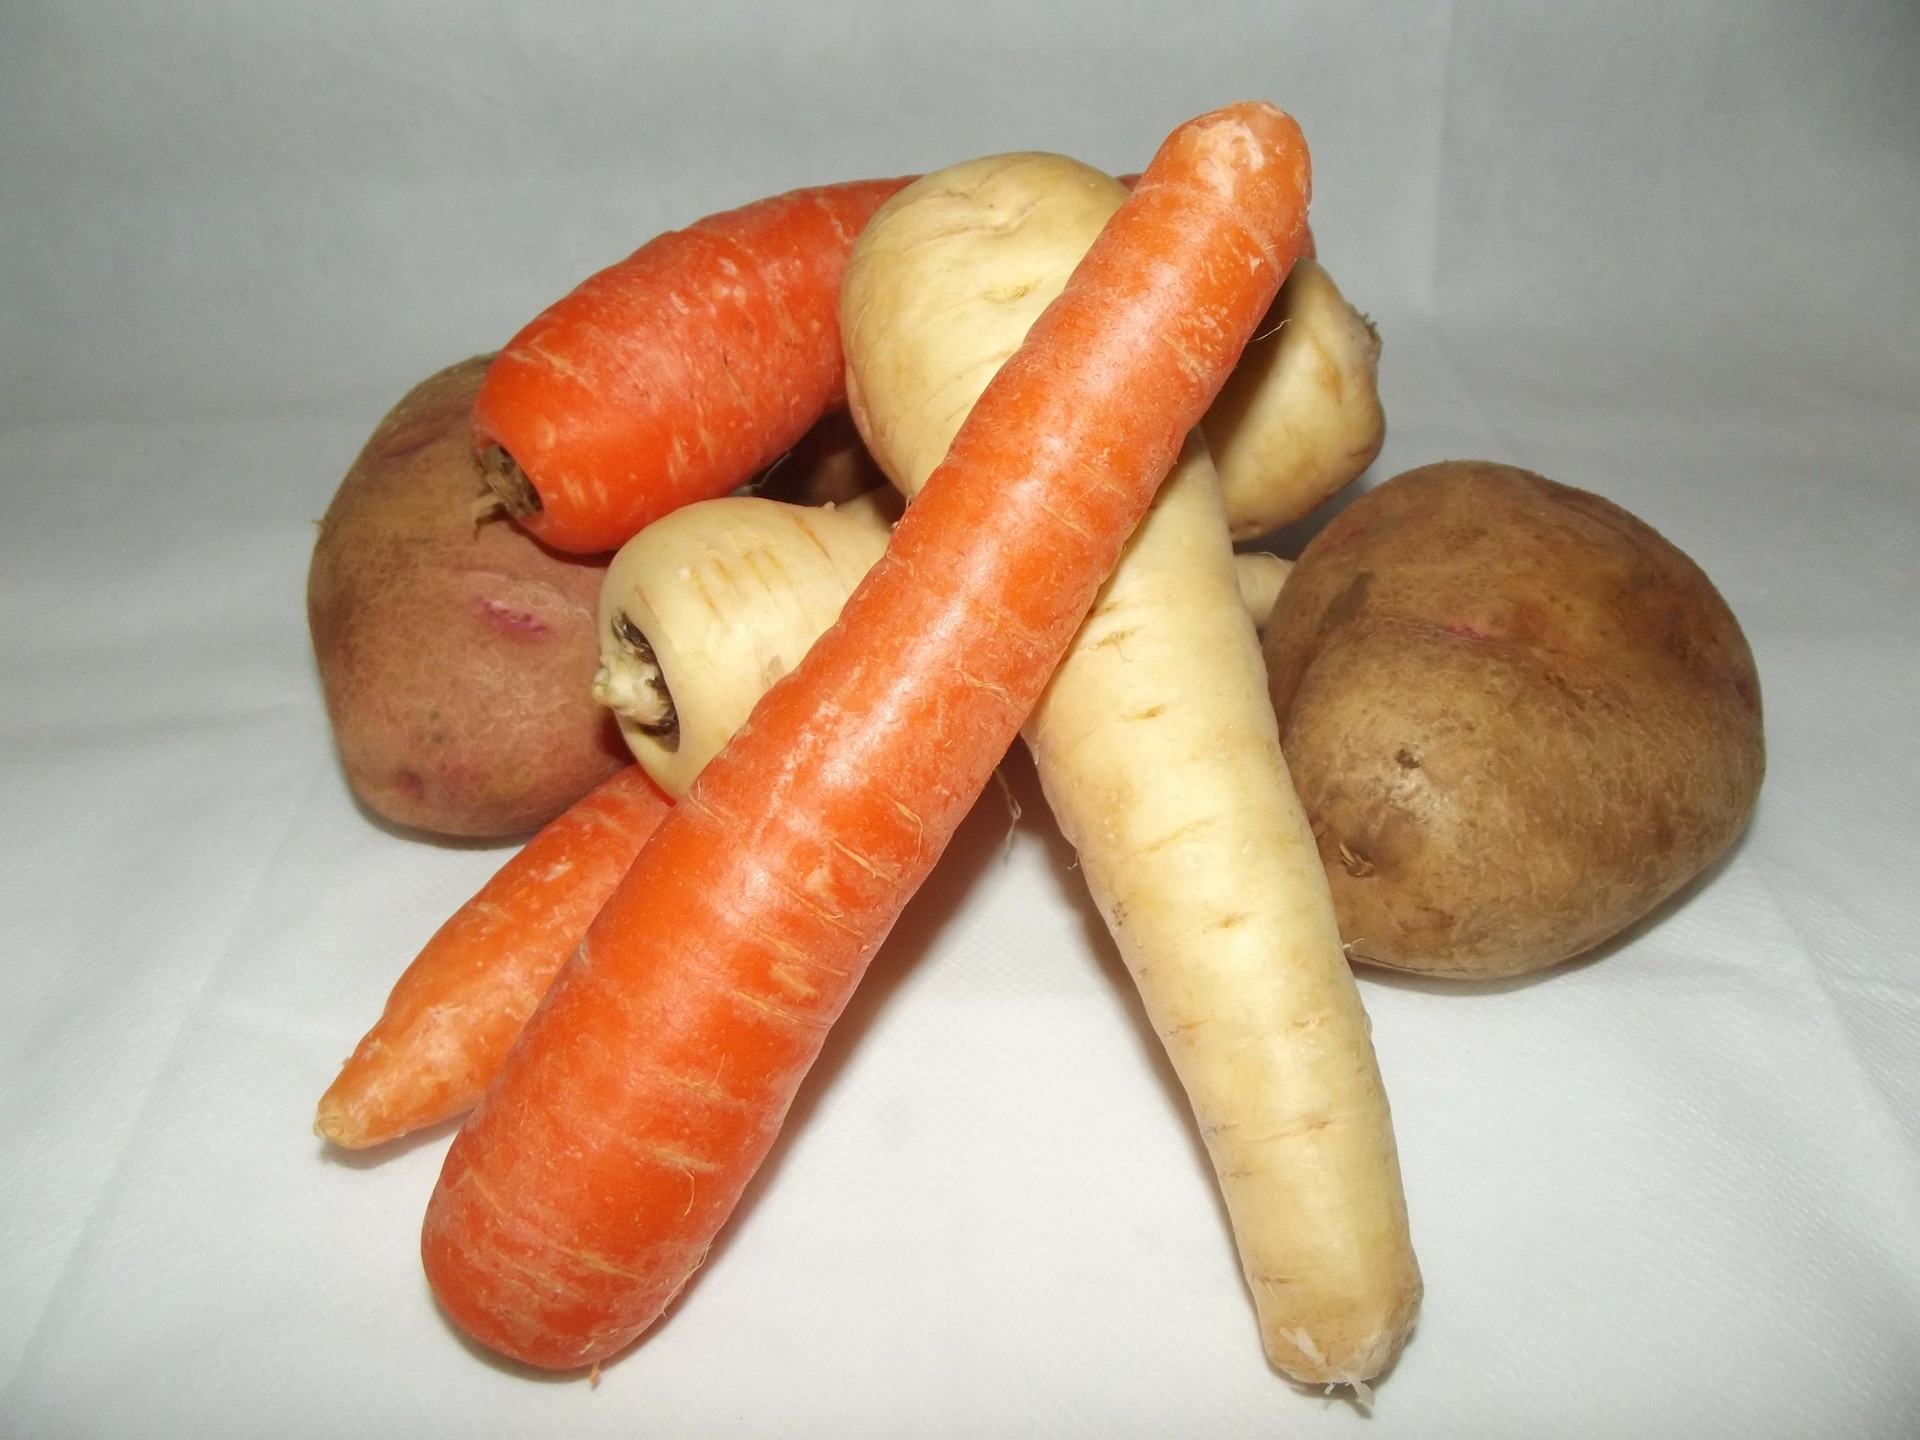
(1668, 255)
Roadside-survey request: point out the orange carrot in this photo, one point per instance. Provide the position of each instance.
(458, 1008)
(675, 374)
(586, 1187)
(1307, 250)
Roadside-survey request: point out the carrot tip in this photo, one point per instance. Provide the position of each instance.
(509, 482)
(330, 1123)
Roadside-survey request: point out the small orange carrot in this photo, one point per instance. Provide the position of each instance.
(675, 374)
(645, 1091)
(458, 1008)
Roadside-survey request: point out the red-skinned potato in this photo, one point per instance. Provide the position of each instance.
(1518, 717)
(456, 654)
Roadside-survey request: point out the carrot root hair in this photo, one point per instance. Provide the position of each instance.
(508, 482)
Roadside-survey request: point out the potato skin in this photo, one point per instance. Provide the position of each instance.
(1517, 716)
(456, 655)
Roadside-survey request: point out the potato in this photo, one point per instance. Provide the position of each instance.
(1518, 718)
(456, 653)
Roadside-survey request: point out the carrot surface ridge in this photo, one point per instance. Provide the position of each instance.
(587, 1186)
(457, 1009)
(676, 373)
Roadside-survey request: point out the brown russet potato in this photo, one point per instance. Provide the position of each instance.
(456, 653)
(1518, 718)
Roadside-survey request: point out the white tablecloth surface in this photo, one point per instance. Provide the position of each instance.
(1663, 252)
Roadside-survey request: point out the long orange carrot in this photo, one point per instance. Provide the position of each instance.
(588, 1184)
(675, 374)
(458, 1008)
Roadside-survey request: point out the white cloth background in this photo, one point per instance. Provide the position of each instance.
(1665, 252)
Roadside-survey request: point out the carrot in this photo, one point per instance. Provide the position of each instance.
(588, 1184)
(456, 1011)
(675, 374)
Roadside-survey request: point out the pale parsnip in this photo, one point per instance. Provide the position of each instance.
(1159, 754)
(1298, 419)
(671, 611)
(708, 606)
(1300, 416)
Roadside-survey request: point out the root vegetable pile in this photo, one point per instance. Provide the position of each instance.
(1083, 391)
(590, 1181)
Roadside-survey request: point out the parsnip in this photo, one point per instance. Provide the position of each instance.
(1300, 416)
(1298, 419)
(708, 606)
(1158, 751)
(671, 608)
